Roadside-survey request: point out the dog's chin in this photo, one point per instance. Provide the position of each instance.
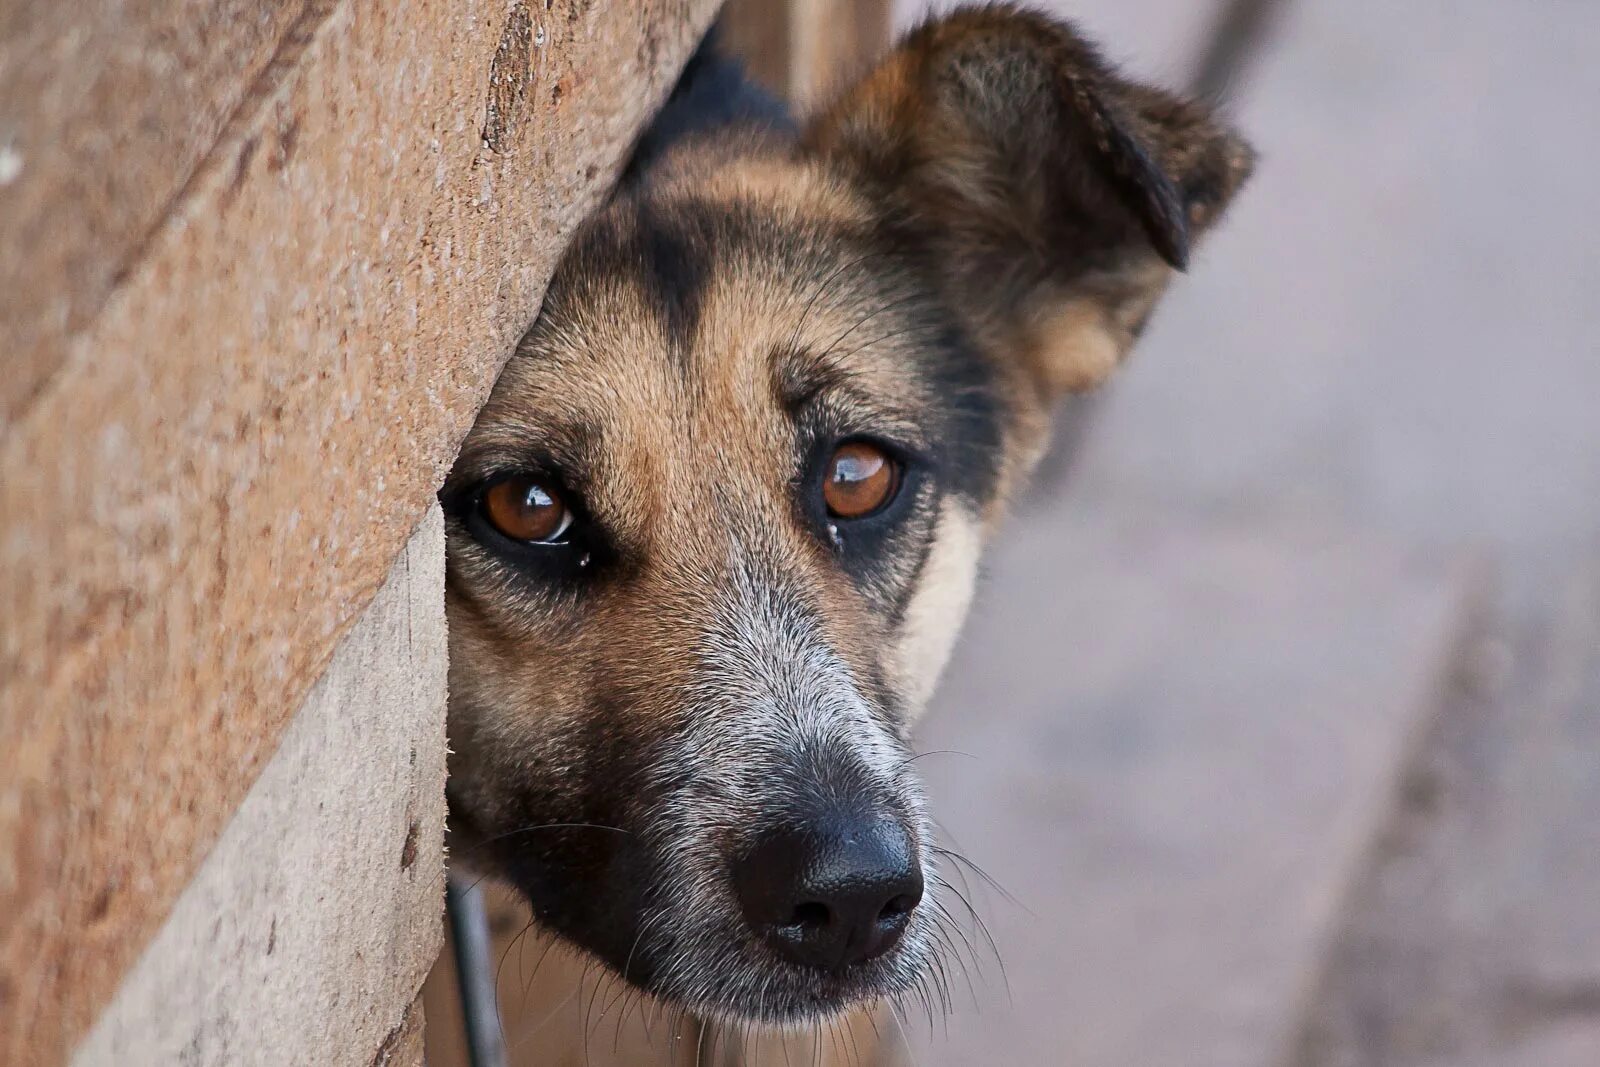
(781, 997)
(748, 985)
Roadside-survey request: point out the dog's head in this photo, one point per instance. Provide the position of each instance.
(713, 535)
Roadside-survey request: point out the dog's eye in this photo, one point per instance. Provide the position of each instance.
(524, 508)
(861, 479)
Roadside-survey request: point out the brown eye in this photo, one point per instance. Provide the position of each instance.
(526, 509)
(861, 479)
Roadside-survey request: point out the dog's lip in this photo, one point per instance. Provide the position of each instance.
(827, 983)
(822, 996)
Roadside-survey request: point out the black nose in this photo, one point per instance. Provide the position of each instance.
(831, 896)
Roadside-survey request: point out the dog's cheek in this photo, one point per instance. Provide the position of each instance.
(503, 724)
(934, 615)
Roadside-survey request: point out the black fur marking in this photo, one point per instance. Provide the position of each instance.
(969, 440)
(712, 93)
(662, 254)
(676, 266)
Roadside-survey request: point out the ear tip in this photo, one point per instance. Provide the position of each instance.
(1174, 250)
(1168, 227)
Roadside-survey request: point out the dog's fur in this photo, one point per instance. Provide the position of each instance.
(980, 225)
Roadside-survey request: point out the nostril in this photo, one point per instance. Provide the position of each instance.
(812, 914)
(897, 907)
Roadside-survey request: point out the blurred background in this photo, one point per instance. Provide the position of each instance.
(1273, 739)
(1279, 712)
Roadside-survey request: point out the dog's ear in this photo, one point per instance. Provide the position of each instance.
(1052, 197)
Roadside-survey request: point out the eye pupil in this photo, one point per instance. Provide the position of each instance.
(526, 509)
(861, 479)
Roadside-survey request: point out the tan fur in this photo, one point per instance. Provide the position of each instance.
(933, 619)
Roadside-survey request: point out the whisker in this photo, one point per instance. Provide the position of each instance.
(985, 875)
(941, 977)
(583, 1012)
(526, 1033)
(499, 969)
(894, 1016)
(881, 310)
(966, 972)
(925, 993)
(945, 928)
(932, 328)
(994, 946)
(822, 287)
(935, 752)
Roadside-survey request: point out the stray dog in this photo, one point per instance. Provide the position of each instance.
(713, 535)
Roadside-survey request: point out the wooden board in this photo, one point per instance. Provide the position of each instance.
(107, 108)
(306, 933)
(1472, 938)
(209, 485)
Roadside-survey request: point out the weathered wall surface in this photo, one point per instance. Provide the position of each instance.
(306, 933)
(210, 455)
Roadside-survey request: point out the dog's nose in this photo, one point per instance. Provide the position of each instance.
(831, 897)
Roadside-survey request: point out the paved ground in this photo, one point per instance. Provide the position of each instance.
(1473, 937)
(1356, 465)
(1177, 746)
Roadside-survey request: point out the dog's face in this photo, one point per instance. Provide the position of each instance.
(714, 533)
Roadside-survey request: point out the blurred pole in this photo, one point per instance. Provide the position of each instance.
(1237, 35)
(469, 927)
(807, 50)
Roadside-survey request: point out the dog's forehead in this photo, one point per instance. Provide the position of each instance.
(685, 331)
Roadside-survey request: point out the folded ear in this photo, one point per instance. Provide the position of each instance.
(1052, 197)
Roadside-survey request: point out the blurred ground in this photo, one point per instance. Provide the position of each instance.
(1281, 705)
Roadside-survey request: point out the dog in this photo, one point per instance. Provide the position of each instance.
(714, 533)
